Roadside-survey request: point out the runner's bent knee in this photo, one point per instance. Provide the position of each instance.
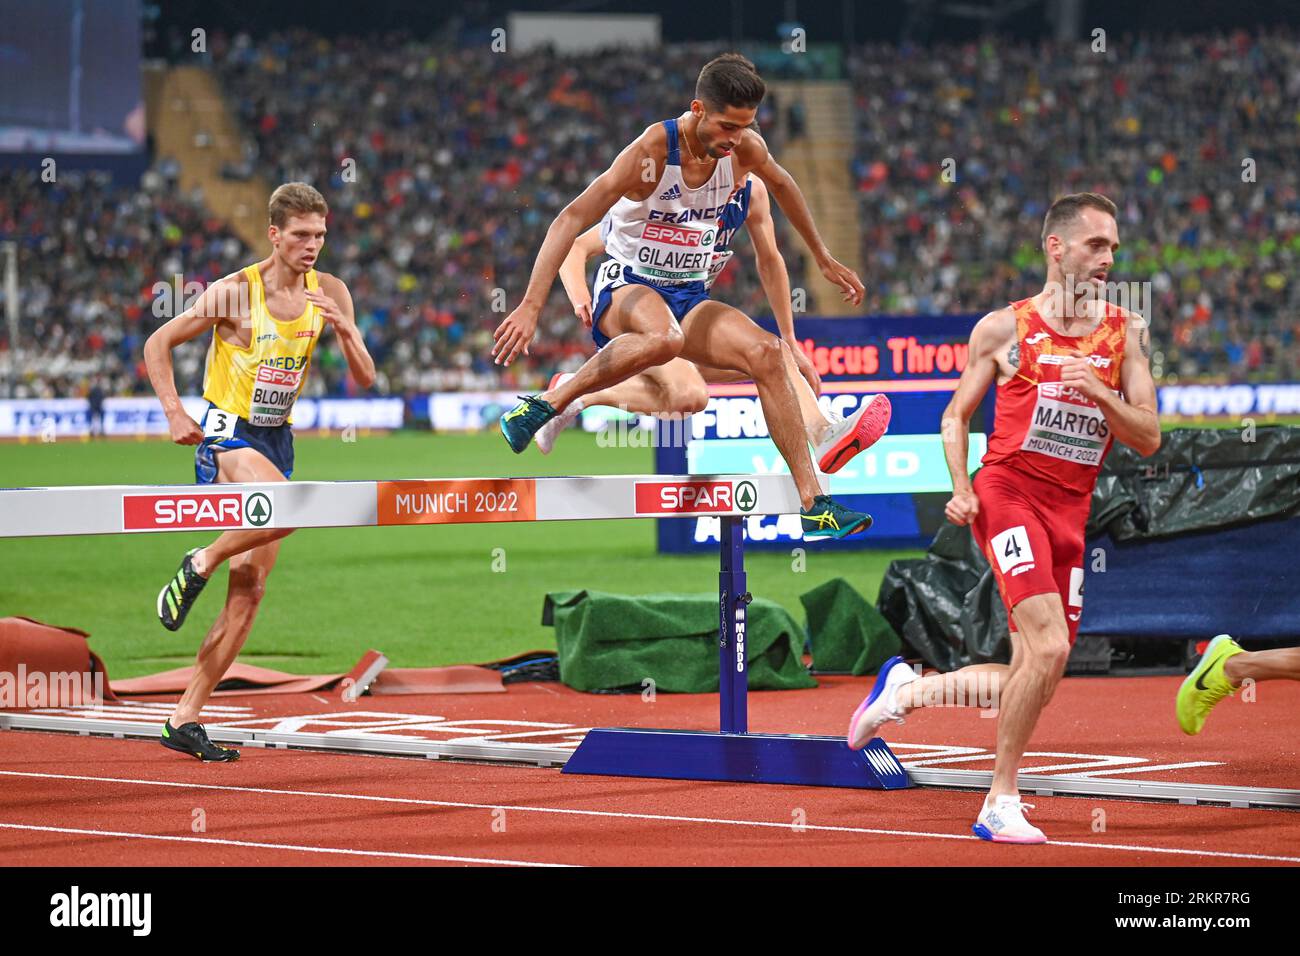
(765, 355)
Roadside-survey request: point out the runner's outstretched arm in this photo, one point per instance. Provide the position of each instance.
(775, 278)
(754, 156)
(634, 167)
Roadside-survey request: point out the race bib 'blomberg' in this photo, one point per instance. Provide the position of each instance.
(274, 391)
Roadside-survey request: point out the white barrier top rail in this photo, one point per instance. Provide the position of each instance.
(113, 509)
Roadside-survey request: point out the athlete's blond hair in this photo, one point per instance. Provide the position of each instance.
(295, 199)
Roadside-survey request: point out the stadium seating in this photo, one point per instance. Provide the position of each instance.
(460, 161)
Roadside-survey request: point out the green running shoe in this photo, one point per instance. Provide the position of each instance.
(829, 519)
(1206, 685)
(521, 423)
(177, 596)
(192, 739)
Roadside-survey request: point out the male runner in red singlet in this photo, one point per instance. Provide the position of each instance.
(1072, 373)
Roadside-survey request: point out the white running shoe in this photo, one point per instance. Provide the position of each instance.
(881, 705)
(854, 434)
(546, 435)
(1004, 822)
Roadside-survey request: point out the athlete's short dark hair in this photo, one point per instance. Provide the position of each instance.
(1066, 209)
(730, 80)
(295, 199)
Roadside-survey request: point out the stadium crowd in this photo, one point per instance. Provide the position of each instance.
(1195, 138)
(98, 268)
(443, 166)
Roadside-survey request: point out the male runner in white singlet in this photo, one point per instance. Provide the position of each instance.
(681, 387)
(664, 194)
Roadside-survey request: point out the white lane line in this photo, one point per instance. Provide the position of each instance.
(1026, 768)
(276, 846)
(1129, 770)
(618, 814)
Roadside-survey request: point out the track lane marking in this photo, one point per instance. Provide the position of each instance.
(1191, 764)
(275, 846)
(617, 814)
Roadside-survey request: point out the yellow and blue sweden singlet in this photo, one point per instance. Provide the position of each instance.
(260, 383)
(251, 390)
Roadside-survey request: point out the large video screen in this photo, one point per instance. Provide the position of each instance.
(70, 76)
(902, 480)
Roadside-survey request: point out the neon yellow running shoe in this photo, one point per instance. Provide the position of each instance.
(1206, 685)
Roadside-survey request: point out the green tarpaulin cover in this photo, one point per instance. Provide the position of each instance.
(615, 641)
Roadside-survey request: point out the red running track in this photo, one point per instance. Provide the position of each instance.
(69, 800)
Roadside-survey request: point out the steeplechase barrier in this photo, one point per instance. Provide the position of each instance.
(731, 753)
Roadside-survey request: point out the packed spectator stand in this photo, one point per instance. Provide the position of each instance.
(459, 160)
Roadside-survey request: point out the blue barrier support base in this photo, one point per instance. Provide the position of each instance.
(801, 760)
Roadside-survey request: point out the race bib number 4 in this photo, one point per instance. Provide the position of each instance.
(1012, 549)
(1067, 425)
(274, 392)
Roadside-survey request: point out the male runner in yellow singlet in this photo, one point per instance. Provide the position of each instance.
(265, 321)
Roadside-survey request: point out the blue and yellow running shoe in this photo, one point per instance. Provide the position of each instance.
(829, 519)
(521, 423)
(1206, 685)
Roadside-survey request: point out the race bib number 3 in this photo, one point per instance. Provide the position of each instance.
(1012, 548)
(218, 424)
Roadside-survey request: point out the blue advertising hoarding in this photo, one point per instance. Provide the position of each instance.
(902, 481)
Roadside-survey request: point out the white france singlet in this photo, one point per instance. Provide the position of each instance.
(669, 236)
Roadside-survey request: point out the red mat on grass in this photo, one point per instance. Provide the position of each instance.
(249, 679)
(240, 679)
(53, 665)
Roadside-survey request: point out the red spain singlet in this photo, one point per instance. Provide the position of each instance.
(1046, 429)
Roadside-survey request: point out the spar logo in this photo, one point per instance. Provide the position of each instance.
(257, 509)
(1064, 392)
(746, 496)
(196, 511)
(693, 497)
(677, 236)
(269, 375)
